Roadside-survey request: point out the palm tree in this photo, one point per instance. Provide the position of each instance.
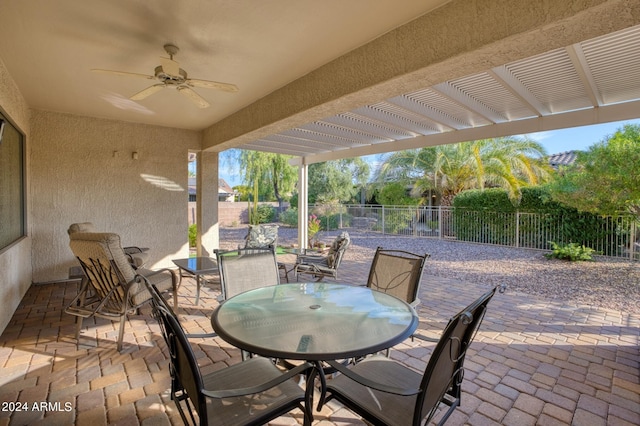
(508, 163)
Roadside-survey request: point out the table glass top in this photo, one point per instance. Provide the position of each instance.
(197, 265)
(314, 321)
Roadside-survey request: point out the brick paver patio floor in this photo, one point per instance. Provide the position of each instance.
(534, 362)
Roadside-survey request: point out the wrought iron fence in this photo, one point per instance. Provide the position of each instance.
(608, 235)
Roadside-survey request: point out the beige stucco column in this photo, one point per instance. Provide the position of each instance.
(207, 203)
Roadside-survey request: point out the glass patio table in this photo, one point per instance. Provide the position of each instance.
(314, 322)
(196, 266)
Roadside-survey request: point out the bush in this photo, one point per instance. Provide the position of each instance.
(331, 221)
(475, 207)
(290, 217)
(572, 251)
(265, 214)
(193, 231)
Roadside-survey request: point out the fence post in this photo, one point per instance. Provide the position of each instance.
(517, 228)
(382, 214)
(440, 222)
(632, 240)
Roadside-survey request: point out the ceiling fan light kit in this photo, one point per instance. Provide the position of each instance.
(169, 74)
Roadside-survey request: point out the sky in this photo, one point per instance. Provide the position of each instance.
(577, 138)
(554, 141)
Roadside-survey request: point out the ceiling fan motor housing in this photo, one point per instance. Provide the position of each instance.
(168, 78)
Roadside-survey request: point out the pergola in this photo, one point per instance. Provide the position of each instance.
(588, 82)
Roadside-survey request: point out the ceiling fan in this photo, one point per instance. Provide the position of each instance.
(169, 74)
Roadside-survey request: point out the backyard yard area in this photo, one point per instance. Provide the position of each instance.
(604, 282)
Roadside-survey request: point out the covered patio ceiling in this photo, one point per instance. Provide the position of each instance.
(590, 82)
(333, 79)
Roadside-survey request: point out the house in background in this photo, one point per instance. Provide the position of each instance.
(225, 192)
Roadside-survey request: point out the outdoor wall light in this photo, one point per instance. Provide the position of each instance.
(134, 155)
(1, 129)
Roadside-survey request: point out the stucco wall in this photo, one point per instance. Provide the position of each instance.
(15, 261)
(82, 169)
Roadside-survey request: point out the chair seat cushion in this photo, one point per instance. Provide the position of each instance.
(163, 280)
(314, 268)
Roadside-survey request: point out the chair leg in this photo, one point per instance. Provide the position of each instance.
(123, 319)
(78, 327)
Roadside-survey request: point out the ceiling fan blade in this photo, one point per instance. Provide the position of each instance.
(125, 74)
(169, 66)
(197, 99)
(147, 92)
(205, 84)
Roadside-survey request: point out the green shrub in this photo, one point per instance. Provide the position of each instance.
(572, 251)
(193, 231)
(290, 217)
(332, 221)
(266, 212)
(474, 207)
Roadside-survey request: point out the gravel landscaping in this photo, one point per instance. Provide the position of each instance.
(605, 282)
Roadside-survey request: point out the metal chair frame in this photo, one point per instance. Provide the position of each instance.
(250, 393)
(386, 392)
(110, 287)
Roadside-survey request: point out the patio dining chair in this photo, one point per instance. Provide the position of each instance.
(386, 392)
(252, 392)
(320, 267)
(109, 288)
(397, 272)
(245, 269)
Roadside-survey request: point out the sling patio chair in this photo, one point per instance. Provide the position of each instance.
(245, 269)
(386, 392)
(252, 392)
(323, 266)
(397, 272)
(109, 288)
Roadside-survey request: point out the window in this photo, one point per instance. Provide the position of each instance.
(12, 205)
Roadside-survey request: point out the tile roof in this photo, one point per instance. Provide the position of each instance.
(562, 158)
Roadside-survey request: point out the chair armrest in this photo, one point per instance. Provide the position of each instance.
(370, 383)
(228, 393)
(150, 273)
(311, 259)
(200, 335)
(425, 338)
(133, 249)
